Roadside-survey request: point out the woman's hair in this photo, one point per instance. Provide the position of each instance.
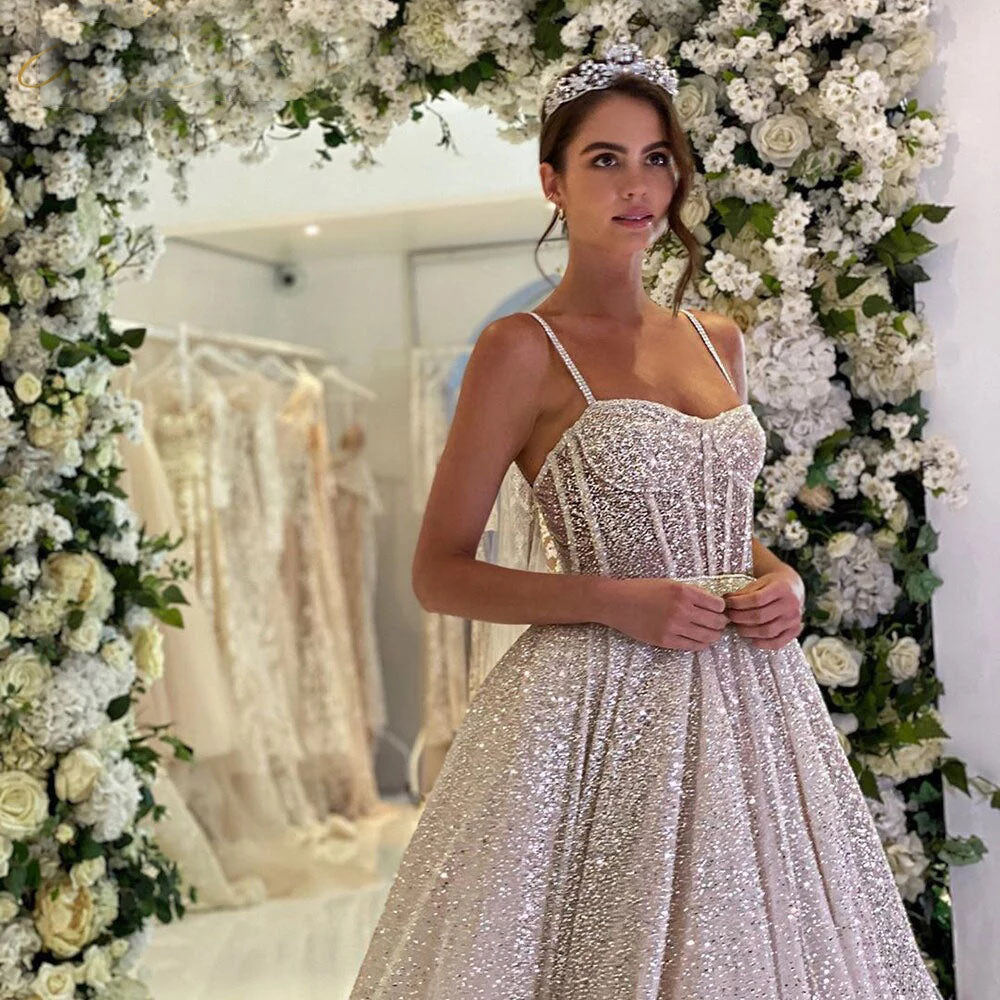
(561, 126)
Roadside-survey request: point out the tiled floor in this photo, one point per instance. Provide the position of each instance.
(283, 949)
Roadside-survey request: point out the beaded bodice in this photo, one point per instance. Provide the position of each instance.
(634, 487)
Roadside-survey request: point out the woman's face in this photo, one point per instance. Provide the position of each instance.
(619, 163)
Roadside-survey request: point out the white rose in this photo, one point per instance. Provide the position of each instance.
(903, 659)
(64, 833)
(696, 207)
(87, 872)
(147, 642)
(6, 850)
(899, 515)
(77, 773)
(85, 639)
(117, 653)
(83, 578)
(6, 199)
(95, 970)
(908, 861)
(4, 627)
(4, 335)
(24, 804)
(9, 907)
(696, 98)
(55, 982)
(30, 286)
(834, 663)
(841, 543)
(27, 672)
(781, 138)
(28, 387)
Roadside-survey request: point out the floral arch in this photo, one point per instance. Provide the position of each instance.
(809, 150)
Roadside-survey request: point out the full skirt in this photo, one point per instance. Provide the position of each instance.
(616, 820)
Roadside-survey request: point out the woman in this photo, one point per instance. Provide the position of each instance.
(647, 798)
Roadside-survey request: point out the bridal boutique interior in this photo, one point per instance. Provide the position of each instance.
(303, 355)
(307, 331)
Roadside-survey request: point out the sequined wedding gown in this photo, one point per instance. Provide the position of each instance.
(619, 821)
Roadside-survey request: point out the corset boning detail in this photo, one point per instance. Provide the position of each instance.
(636, 488)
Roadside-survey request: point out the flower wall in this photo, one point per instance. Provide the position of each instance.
(809, 149)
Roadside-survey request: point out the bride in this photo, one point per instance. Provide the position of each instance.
(647, 797)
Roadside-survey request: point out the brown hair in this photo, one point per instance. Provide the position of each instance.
(561, 126)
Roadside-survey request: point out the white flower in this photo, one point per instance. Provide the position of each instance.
(841, 543)
(89, 871)
(24, 804)
(781, 138)
(148, 645)
(834, 662)
(55, 982)
(28, 387)
(95, 970)
(113, 802)
(9, 907)
(77, 773)
(903, 659)
(64, 833)
(64, 916)
(86, 638)
(908, 862)
(25, 671)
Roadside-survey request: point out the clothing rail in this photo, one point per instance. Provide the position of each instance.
(240, 340)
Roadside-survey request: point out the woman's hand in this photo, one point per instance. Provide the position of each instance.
(768, 612)
(664, 612)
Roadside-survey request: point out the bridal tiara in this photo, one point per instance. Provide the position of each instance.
(621, 57)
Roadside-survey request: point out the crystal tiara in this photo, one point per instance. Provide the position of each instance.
(620, 58)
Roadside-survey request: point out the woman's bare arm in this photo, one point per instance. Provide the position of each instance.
(498, 404)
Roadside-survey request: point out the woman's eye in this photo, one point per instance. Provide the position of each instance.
(664, 157)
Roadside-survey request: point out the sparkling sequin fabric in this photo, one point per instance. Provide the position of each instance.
(619, 821)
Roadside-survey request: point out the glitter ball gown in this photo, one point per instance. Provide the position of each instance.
(619, 821)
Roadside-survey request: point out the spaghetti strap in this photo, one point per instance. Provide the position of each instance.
(708, 344)
(573, 370)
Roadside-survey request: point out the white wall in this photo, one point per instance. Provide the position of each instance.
(964, 406)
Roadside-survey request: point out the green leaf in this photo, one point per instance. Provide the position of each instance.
(75, 618)
(875, 304)
(962, 850)
(49, 341)
(134, 336)
(734, 213)
(174, 595)
(119, 706)
(954, 770)
(920, 586)
(170, 616)
(869, 785)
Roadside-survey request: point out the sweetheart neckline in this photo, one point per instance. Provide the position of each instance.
(553, 451)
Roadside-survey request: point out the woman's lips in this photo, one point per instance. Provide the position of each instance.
(633, 223)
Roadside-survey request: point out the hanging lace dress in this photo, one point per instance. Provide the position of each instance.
(355, 504)
(327, 699)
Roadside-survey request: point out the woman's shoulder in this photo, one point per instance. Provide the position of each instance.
(513, 348)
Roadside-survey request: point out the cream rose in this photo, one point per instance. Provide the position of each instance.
(24, 804)
(908, 862)
(696, 207)
(903, 659)
(83, 578)
(95, 970)
(781, 138)
(899, 515)
(9, 907)
(65, 922)
(6, 199)
(28, 387)
(30, 286)
(147, 643)
(4, 335)
(696, 98)
(834, 663)
(27, 672)
(6, 850)
(55, 982)
(22, 753)
(64, 833)
(77, 773)
(86, 638)
(87, 872)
